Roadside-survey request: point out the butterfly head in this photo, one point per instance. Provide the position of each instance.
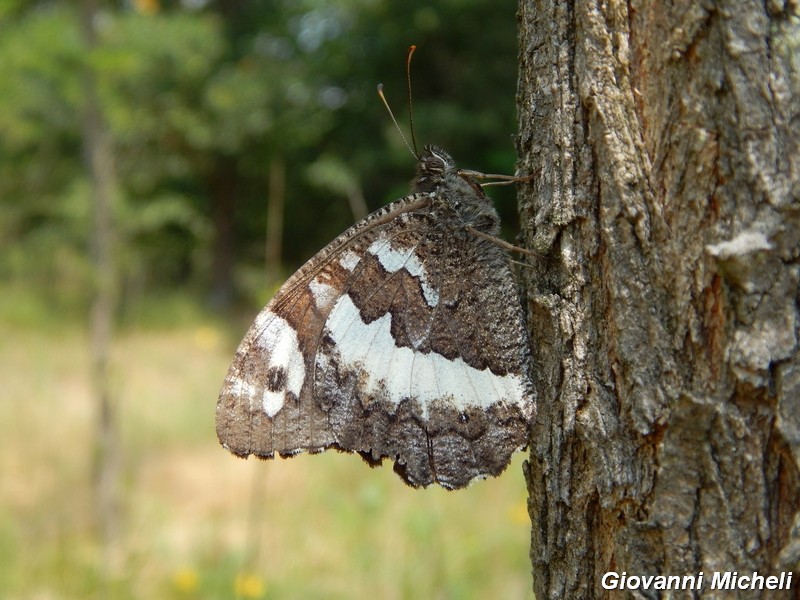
(433, 165)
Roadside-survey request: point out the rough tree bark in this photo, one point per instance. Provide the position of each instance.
(664, 308)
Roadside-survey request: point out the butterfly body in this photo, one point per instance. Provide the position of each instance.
(403, 339)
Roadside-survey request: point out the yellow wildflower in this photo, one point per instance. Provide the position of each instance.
(248, 585)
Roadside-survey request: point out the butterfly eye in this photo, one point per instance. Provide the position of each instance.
(433, 163)
(437, 160)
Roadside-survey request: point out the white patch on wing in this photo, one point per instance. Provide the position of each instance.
(261, 319)
(393, 259)
(400, 368)
(279, 341)
(423, 379)
(404, 372)
(349, 260)
(324, 294)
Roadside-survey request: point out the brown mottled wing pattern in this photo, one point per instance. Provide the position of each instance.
(243, 424)
(402, 339)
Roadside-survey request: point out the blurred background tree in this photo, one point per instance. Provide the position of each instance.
(204, 100)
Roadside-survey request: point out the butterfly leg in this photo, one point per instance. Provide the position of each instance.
(500, 242)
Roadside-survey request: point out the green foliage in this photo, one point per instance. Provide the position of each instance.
(198, 101)
(38, 140)
(332, 173)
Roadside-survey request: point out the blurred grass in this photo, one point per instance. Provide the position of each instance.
(199, 523)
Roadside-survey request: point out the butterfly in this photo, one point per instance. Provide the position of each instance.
(404, 338)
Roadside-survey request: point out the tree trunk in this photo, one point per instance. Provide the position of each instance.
(666, 207)
(276, 198)
(98, 156)
(224, 186)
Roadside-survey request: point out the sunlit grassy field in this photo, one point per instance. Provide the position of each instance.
(199, 523)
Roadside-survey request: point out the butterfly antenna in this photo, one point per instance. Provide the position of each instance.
(400, 131)
(410, 97)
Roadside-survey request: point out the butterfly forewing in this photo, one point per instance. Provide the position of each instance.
(259, 408)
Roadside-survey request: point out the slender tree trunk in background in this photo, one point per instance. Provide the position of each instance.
(664, 138)
(98, 154)
(358, 204)
(276, 199)
(224, 186)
